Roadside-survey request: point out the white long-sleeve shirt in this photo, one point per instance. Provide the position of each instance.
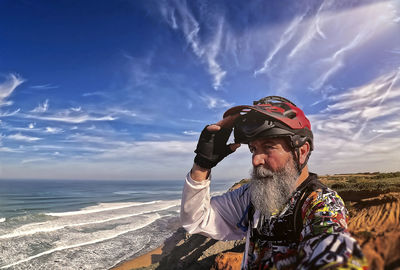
(214, 217)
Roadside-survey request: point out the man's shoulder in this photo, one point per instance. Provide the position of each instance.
(323, 200)
(240, 192)
(323, 194)
(318, 191)
(313, 183)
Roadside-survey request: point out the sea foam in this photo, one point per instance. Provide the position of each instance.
(97, 237)
(100, 208)
(109, 212)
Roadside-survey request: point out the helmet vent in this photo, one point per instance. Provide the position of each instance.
(290, 114)
(268, 99)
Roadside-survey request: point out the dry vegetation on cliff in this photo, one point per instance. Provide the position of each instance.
(353, 187)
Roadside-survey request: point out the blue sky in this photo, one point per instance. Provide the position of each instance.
(121, 89)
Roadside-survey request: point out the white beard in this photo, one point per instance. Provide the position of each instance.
(270, 190)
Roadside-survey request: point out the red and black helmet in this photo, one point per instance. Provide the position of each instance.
(272, 116)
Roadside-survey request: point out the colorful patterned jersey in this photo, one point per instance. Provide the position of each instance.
(309, 233)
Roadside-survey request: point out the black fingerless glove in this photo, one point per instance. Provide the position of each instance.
(212, 147)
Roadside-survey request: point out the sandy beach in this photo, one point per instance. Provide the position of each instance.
(154, 256)
(145, 260)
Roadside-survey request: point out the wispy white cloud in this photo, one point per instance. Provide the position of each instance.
(313, 31)
(193, 120)
(191, 133)
(6, 149)
(9, 150)
(360, 128)
(41, 108)
(31, 128)
(381, 109)
(52, 147)
(102, 134)
(337, 61)
(97, 93)
(361, 31)
(68, 117)
(76, 109)
(375, 92)
(44, 86)
(124, 112)
(134, 161)
(211, 56)
(333, 155)
(207, 51)
(20, 137)
(83, 138)
(7, 114)
(384, 130)
(190, 27)
(283, 41)
(130, 161)
(146, 150)
(153, 136)
(8, 86)
(53, 130)
(169, 15)
(140, 70)
(312, 49)
(66, 146)
(33, 160)
(214, 102)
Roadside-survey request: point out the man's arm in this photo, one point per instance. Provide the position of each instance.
(325, 242)
(216, 217)
(198, 173)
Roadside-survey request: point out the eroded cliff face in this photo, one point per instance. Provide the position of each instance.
(375, 223)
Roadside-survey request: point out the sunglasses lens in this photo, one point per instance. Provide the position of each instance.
(249, 125)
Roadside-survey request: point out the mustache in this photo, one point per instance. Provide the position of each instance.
(261, 172)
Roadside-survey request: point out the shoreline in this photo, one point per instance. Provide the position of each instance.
(144, 260)
(185, 251)
(153, 257)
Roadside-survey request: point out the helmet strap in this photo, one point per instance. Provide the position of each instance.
(296, 154)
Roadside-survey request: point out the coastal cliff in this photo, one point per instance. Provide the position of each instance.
(374, 222)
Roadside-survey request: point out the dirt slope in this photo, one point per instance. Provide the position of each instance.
(375, 222)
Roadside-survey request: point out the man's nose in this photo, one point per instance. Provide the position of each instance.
(258, 159)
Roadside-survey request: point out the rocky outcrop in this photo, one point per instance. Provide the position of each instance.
(195, 252)
(228, 261)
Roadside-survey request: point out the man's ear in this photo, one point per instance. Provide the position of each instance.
(304, 150)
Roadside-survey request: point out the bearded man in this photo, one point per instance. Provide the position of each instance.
(289, 218)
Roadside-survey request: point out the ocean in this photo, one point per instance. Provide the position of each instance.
(75, 224)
